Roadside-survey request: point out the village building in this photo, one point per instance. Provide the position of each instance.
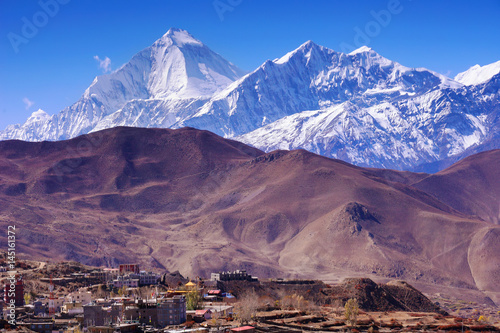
(205, 313)
(38, 325)
(128, 268)
(39, 308)
(72, 308)
(220, 310)
(82, 296)
(233, 276)
(125, 281)
(141, 311)
(146, 278)
(134, 280)
(172, 311)
(160, 313)
(97, 315)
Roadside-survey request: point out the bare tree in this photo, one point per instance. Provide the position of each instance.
(286, 302)
(295, 302)
(338, 307)
(100, 292)
(246, 308)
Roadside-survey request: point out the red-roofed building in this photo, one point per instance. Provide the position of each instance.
(245, 329)
(207, 314)
(129, 268)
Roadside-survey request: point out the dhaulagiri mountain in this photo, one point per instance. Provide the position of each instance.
(189, 200)
(358, 107)
(163, 83)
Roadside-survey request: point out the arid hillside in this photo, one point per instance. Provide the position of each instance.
(471, 186)
(192, 201)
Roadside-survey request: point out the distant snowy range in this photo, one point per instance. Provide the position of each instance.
(358, 107)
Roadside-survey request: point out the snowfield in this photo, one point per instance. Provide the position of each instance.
(359, 107)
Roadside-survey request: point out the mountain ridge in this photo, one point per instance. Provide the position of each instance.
(394, 116)
(478, 74)
(192, 201)
(169, 71)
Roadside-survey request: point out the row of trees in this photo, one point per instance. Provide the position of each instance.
(248, 305)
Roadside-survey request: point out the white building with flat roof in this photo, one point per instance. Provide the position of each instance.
(126, 281)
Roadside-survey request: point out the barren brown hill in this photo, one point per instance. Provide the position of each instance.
(471, 186)
(191, 201)
(393, 296)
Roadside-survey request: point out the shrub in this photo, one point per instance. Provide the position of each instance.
(483, 319)
(351, 311)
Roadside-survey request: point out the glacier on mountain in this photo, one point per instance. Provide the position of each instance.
(359, 107)
(174, 75)
(477, 74)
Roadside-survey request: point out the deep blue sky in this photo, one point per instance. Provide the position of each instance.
(56, 64)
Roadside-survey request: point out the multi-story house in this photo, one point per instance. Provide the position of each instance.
(172, 311)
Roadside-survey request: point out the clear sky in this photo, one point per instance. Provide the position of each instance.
(50, 66)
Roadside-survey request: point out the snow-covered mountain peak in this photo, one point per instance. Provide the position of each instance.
(362, 49)
(308, 45)
(357, 106)
(370, 57)
(26, 131)
(478, 74)
(183, 67)
(176, 73)
(176, 66)
(364, 56)
(305, 49)
(179, 37)
(38, 115)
